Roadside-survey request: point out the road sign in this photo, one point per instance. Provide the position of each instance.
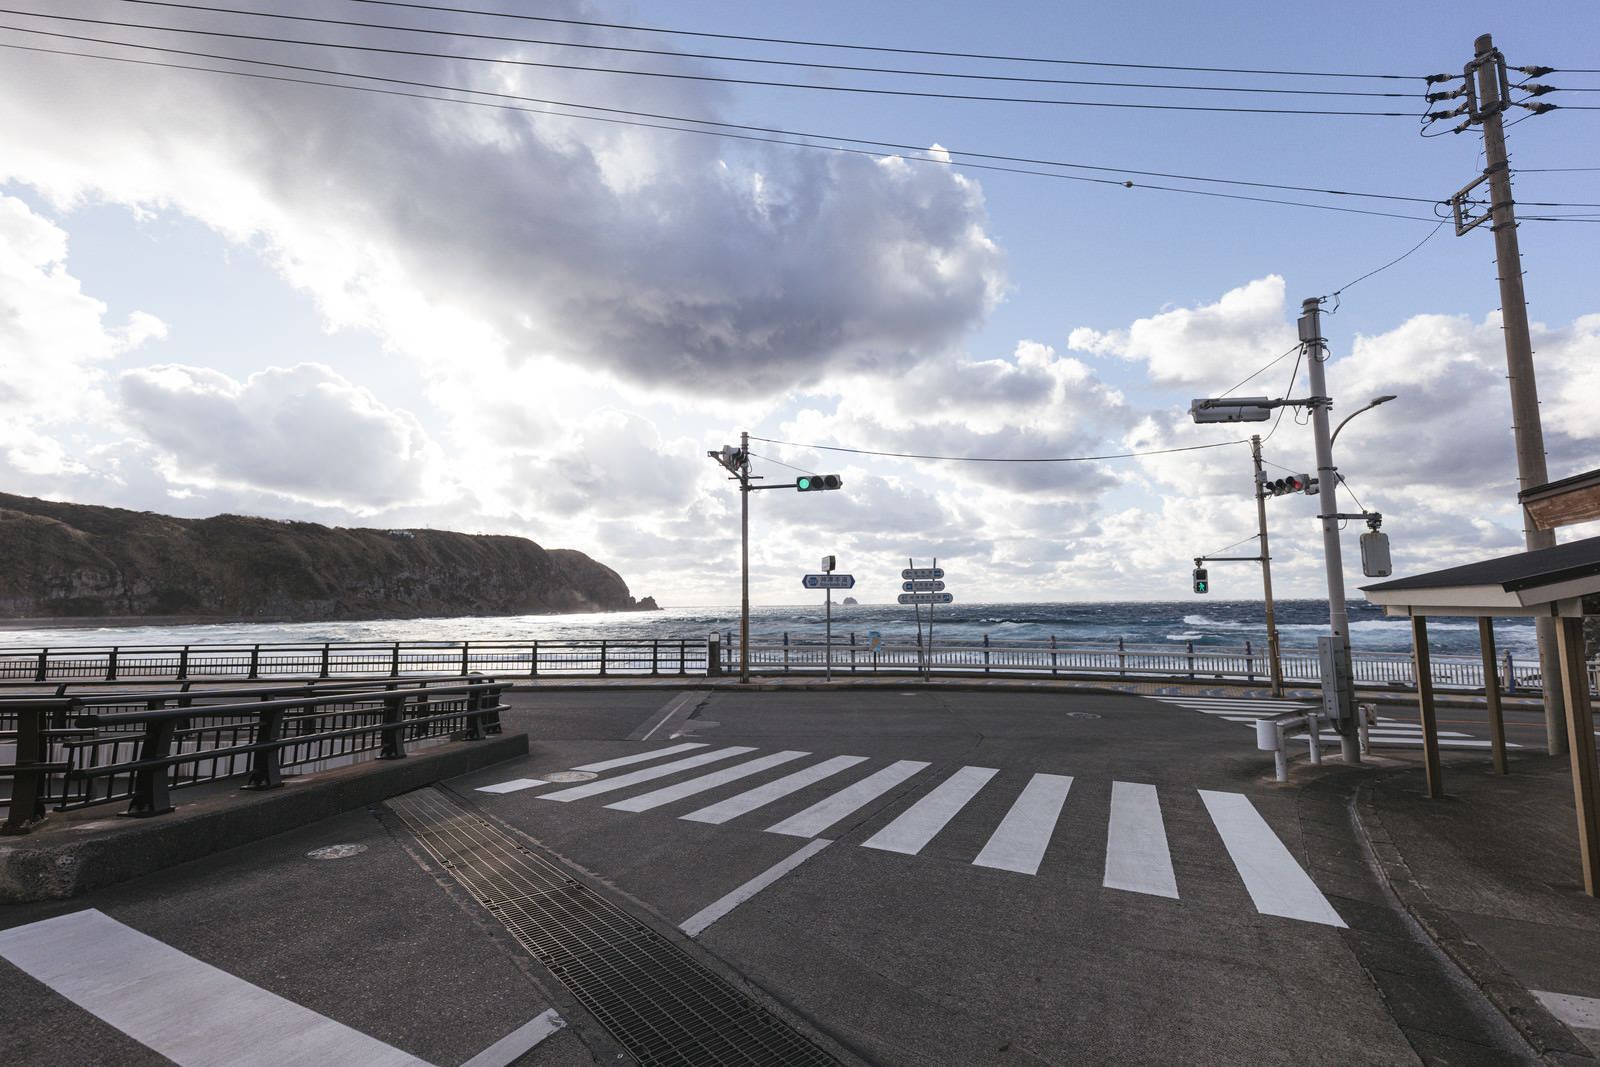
(922, 572)
(923, 587)
(829, 581)
(927, 598)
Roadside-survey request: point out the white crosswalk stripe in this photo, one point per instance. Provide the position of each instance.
(1138, 857)
(1388, 732)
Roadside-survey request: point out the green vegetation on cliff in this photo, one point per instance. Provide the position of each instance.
(77, 560)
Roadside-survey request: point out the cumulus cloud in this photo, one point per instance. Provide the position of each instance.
(303, 431)
(687, 263)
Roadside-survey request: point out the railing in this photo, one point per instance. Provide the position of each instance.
(80, 667)
(74, 751)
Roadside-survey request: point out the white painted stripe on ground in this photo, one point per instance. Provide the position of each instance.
(640, 757)
(824, 813)
(517, 1043)
(918, 824)
(649, 774)
(188, 1011)
(763, 795)
(1581, 1012)
(512, 786)
(657, 798)
(710, 914)
(1276, 883)
(1137, 857)
(674, 706)
(1018, 843)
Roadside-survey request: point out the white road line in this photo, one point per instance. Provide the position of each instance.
(517, 1043)
(1019, 842)
(1276, 883)
(918, 824)
(649, 774)
(763, 795)
(512, 786)
(655, 799)
(640, 757)
(1137, 858)
(710, 914)
(1580, 1012)
(824, 813)
(188, 1011)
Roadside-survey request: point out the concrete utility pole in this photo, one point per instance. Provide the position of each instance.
(1328, 482)
(1488, 65)
(1275, 660)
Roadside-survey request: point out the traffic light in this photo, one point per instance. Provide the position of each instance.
(1201, 583)
(1290, 483)
(812, 483)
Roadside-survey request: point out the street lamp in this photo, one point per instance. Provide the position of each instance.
(1374, 402)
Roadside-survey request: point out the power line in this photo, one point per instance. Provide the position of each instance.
(923, 94)
(873, 48)
(997, 459)
(809, 65)
(634, 118)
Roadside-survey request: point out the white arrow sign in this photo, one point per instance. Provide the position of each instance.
(923, 587)
(922, 572)
(829, 581)
(927, 598)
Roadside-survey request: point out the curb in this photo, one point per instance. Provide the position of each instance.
(67, 856)
(1549, 1038)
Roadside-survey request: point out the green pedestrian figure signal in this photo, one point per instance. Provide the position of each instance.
(1201, 583)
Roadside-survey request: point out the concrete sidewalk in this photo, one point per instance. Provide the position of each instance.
(1491, 874)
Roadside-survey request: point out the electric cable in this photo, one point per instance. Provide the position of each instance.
(997, 459)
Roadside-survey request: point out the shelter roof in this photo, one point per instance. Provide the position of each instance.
(1546, 581)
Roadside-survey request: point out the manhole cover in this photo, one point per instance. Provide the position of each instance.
(336, 852)
(570, 776)
(1082, 715)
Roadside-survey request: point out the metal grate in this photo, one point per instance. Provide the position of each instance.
(660, 1004)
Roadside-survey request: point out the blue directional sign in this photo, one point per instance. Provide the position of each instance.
(918, 573)
(829, 581)
(923, 587)
(927, 598)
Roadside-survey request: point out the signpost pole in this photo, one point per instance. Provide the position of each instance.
(828, 637)
(929, 675)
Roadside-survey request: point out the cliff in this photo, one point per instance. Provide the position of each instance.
(77, 560)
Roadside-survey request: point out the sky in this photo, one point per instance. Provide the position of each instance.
(494, 279)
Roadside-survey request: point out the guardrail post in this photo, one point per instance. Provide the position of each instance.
(111, 665)
(1511, 675)
(533, 661)
(655, 655)
(393, 733)
(255, 662)
(786, 650)
(183, 663)
(152, 785)
(1249, 662)
(1052, 653)
(985, 653)
(324, 672)
(1189, 649)
(602, 659)
(466, 667)
(28, 777)
(682, 650)
(266, 764)
(1122, 658)
(714, 654)
(852, 651)
(44, 666)
(394, 661)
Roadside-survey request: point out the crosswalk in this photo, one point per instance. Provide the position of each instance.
(1138, 858)
(1386, 731)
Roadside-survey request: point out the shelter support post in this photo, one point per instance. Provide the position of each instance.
(1581, 746)
(1491, 694)
(1423, 668)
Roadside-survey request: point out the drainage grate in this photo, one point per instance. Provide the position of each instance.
(660, 1004)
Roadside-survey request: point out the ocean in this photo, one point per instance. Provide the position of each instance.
(1174, 623)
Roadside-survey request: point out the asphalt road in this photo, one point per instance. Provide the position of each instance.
(1049, 878)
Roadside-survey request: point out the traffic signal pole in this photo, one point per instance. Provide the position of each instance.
(1275, 659)
(1338, 618)
(744, 556)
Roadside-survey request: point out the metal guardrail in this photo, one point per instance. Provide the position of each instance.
(71, 752)
(682, 656)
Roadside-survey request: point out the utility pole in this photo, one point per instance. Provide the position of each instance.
(1336, 683)
(1275, 661)
(744, 556)
(1487, 89)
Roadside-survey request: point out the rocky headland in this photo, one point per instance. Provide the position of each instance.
(65, 561)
